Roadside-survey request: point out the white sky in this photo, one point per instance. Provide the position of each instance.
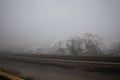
(42, 22)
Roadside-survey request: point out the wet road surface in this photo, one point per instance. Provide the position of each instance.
(44, 72)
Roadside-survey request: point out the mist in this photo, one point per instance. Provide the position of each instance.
(31, 23)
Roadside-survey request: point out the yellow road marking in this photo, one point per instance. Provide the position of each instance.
(9, 76)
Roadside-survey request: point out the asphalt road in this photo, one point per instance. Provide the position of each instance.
(39, 72)
(114, 59)
(50, 72)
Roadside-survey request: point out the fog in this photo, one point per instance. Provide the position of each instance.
(30, 23)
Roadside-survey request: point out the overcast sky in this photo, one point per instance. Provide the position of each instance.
(40, 23)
